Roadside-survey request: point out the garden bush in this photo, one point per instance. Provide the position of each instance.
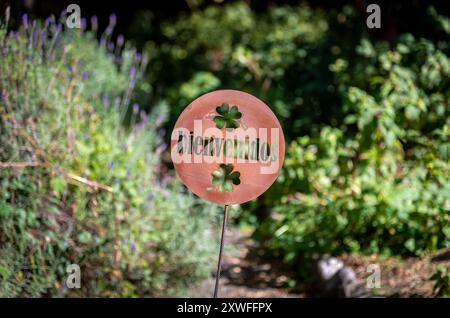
(367, 121)
(281, 56)
(379, 182)
(80, 173)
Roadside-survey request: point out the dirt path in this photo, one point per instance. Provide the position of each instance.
(245, 275)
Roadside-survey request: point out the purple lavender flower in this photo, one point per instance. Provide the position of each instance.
(148, 205)
(35, 35)
(132, 72)
(128, 173)
(120, 40)
(162, 132)
(161, 148)
(131, 83)
(94, 23)
(110, 164)
(111, 46)
(47, 21)
(144, 117)
(44, 34)
(109, 30)
(63, 15)
(138, 57)
(105, 100)
(25, 21)
(160, 119)
(69, 69)
(5, 96)
(133, 247)
(112, 19)
(84, 75)
(135, 108)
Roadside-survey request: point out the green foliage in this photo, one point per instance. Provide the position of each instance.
(281, 56)
(441, 282)
(367, 167)
(380, 181)
(225, 177)
(228, 117)
(77, 186)
(17, 279)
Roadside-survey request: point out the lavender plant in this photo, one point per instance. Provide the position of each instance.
(79, 186)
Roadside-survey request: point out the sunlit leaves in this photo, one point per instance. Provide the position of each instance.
(225, 177)
(228, 117)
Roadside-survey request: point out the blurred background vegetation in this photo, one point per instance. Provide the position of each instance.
(85, 173)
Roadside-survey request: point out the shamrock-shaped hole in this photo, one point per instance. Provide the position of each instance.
(228, 117)
(225, 177)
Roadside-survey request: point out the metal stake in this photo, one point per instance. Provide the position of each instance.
(219, 265)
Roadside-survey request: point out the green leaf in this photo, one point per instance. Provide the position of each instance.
(4, 272)
(232, 124)
(228, 117)
(58, 184)
(5, 209)
(227, 187)
(411, 244)
(217, 173)
(220, 122)
(235, 113)
(222, 109)
(227, 168)
(225, 177)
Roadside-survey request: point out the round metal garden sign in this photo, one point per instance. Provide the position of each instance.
(227, 147)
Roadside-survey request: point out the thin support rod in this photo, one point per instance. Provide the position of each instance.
(219, 264)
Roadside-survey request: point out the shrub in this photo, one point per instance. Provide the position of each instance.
(281, 56)
(379, 182)
(367, 167)
(77, 186)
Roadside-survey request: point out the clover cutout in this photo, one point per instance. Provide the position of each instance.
(225, 177)
(228, 116)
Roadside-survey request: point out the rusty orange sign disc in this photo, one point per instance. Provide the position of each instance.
(227, 147)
